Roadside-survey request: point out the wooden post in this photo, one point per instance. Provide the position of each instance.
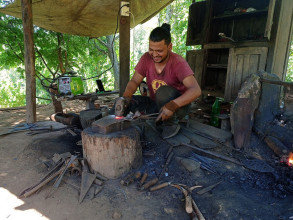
(29, 60)
(124, 50)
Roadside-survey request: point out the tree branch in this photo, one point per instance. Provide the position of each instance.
(42, 58)
(99, 49)
(9, 45)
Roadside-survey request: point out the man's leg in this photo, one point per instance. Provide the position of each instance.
(164, 95)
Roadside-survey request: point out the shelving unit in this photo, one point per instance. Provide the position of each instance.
(224, 63)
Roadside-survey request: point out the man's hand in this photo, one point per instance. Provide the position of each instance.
(167, 111)
(165, 114)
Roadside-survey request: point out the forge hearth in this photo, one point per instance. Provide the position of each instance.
(111, 147)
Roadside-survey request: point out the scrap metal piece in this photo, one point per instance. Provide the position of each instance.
(110, 124)
(257, 165)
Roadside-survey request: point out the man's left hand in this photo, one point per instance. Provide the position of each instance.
(165, 114)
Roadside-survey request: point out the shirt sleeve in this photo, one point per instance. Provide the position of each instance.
(182, 69)
(141, 65)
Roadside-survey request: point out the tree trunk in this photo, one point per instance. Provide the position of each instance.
(113, 57)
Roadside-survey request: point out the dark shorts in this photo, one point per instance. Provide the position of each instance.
(163, 95)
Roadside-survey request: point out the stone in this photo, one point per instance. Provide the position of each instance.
(188, 164)
(243, 109)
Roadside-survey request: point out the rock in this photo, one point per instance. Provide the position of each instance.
(243, 109)
(188, 164)
(116, 215)
(169, 211)
(268, 103)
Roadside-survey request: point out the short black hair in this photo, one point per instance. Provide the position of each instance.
(161, 33)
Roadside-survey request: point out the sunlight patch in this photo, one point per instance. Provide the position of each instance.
(9, 203)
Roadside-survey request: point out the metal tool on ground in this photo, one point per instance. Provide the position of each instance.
(209, 188)
(87, 180)
(46, 179)
(190, 205)
(166, 164)
(213, 154)
(58, 180)
(19, 128)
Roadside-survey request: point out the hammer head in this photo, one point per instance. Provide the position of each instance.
(120, 106)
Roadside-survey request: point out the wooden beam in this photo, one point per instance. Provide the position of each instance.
(124, 51)
(29, 60)
(281, 39)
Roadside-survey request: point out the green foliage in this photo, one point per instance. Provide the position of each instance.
(80, 53)
(179, 22)
(289, 75)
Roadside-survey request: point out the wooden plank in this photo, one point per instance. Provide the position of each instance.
(223, 45)
(195, 59)
(280, 50)
(270, 19)
(198, 140)
(242, 63)
(29, 60)
(124, 52)
(211, 131)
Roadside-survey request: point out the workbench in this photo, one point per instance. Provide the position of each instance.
(91, 97)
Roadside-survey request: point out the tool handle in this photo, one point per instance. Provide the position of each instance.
(150, 183)
(188, 204)
(160, 186)
(143, 178)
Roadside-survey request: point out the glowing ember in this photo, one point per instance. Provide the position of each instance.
(290, 159)
(119, 117)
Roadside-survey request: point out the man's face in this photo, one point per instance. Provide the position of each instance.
(159, 51)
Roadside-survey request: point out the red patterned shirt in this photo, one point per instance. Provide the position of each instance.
(173, 73)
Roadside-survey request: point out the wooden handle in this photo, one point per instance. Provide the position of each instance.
(160, 186)
(143, 178)
(150, 183)
(188, 204)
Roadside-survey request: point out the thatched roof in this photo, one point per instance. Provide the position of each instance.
(93, 18)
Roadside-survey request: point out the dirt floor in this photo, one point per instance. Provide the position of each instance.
(242, 194)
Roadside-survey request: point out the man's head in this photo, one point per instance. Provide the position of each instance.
(160, 43)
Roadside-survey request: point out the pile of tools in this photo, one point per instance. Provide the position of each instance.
(78, 175)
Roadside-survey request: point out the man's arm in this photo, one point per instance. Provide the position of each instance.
(193, 92)
(132, 85)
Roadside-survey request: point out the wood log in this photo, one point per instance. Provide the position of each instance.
(277, 146)
(112, 154)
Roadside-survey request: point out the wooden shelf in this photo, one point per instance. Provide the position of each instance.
(223, 45)
(240, 15)
(217, 66)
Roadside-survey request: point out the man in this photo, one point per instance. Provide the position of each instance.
(172, 85)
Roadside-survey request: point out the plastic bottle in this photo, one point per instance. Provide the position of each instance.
(215, 121)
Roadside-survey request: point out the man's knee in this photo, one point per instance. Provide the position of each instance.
(165, 94)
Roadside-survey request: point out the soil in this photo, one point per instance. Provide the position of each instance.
(242, 194)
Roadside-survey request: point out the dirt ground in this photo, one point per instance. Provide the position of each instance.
(242, 194)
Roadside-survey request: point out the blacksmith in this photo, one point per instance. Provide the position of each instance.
(171, 83)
